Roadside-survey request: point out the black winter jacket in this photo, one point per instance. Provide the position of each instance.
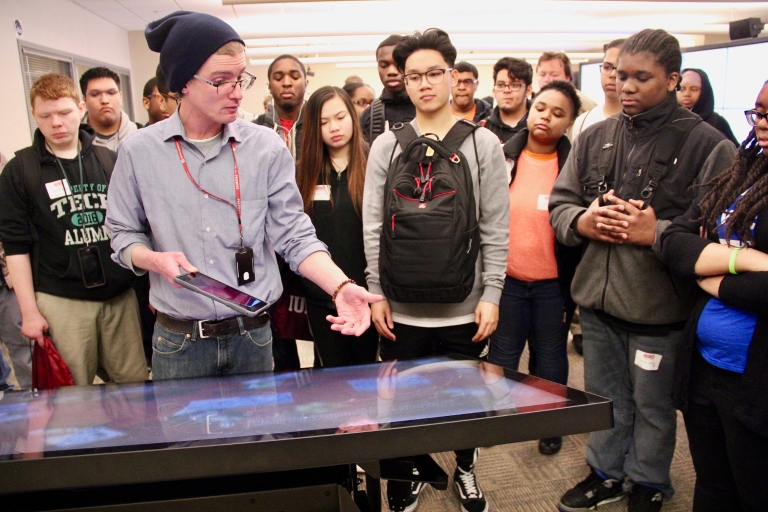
(398, 108)
(503, 131)
(271, 119)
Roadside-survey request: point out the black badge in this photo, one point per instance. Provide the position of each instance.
(244, 264)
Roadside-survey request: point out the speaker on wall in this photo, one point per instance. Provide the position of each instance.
(744, 29)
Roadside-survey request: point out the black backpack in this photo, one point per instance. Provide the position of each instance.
(430, 238)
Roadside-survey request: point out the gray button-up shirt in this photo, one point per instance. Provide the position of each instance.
(151, 201)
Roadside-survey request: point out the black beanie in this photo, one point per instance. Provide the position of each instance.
(185, 40)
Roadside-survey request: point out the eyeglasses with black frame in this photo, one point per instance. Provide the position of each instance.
(512, 86)
(606, 68)
(754, 117)
(434, 77)
(467, 82)
(362, 102)
(245, 83)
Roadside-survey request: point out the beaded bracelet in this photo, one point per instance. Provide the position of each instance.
(732, 261)
(341, 285)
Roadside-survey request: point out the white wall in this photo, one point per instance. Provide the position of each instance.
(56, 24)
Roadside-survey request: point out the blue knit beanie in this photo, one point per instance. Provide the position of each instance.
(185, 40)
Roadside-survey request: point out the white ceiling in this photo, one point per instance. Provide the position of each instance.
(349, 31)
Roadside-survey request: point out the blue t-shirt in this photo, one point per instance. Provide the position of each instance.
(725, 332)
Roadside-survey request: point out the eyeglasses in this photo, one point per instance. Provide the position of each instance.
(467, 82)
(362, 103)
(97, 94)
(607, 69)
(230, 85)
(433, 76)
(754, 117)
(170, 97)
(512, 86)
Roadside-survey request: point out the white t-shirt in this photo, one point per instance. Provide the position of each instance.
(587, 119)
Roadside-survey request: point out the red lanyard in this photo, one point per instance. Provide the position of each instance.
(237, 208)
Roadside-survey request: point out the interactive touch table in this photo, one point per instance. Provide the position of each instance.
(142, 440)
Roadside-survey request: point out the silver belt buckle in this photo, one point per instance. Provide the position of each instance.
(200, 330)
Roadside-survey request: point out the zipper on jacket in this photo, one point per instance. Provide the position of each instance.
(392, 232)
(605, 284)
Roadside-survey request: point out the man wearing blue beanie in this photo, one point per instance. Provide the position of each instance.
(202, 188)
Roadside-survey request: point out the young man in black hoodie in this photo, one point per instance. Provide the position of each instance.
(57, 247)
(394, 105)
(463, 102)
(512, 79)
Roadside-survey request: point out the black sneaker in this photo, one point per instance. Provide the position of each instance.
(643, 498)
(470, 494)
(404, 496)
(593, 491)
(550, 445)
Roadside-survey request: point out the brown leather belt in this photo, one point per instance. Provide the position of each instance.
(212, 329)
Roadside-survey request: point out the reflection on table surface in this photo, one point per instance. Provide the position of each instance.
(257, 407)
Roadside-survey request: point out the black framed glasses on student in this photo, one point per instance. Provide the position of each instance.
(433, 76)
(754, 117)
(607, 69)
(467, 82)
(362, 103)
(227, 87)
(512, 86)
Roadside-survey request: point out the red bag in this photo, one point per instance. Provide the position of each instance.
(49, 371)
(289, 313)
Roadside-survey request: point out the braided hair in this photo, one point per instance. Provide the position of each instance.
(749, 169)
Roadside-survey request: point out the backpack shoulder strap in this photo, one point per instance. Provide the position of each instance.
(33, 180)
(32, 172)
(607, 156)
(458, 132)
(377, 119)
(670, 141)
(405, 134)
(106, 159)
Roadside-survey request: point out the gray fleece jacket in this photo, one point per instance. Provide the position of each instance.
(630, 282)
(492, 199)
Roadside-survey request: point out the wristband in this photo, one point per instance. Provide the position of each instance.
(341, 285)
(732, 261)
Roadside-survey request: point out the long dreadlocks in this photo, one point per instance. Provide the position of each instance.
(749, 169)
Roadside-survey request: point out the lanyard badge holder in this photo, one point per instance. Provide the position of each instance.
(244, 256)
(89, 257)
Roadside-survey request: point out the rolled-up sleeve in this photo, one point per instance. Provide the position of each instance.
(288, 227)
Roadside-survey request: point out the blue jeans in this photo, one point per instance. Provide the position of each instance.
(5, 373)
(176, 355)
(535, 308)
(642, 442)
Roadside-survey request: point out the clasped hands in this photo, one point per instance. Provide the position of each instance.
(618, 221)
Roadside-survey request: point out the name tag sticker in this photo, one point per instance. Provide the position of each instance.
(543, 202)
(647, 361)
(58, 188)
(322, 193)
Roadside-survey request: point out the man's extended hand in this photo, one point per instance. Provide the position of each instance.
(352, 306)
(638, 225)
(486, 318)
(597, 224)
